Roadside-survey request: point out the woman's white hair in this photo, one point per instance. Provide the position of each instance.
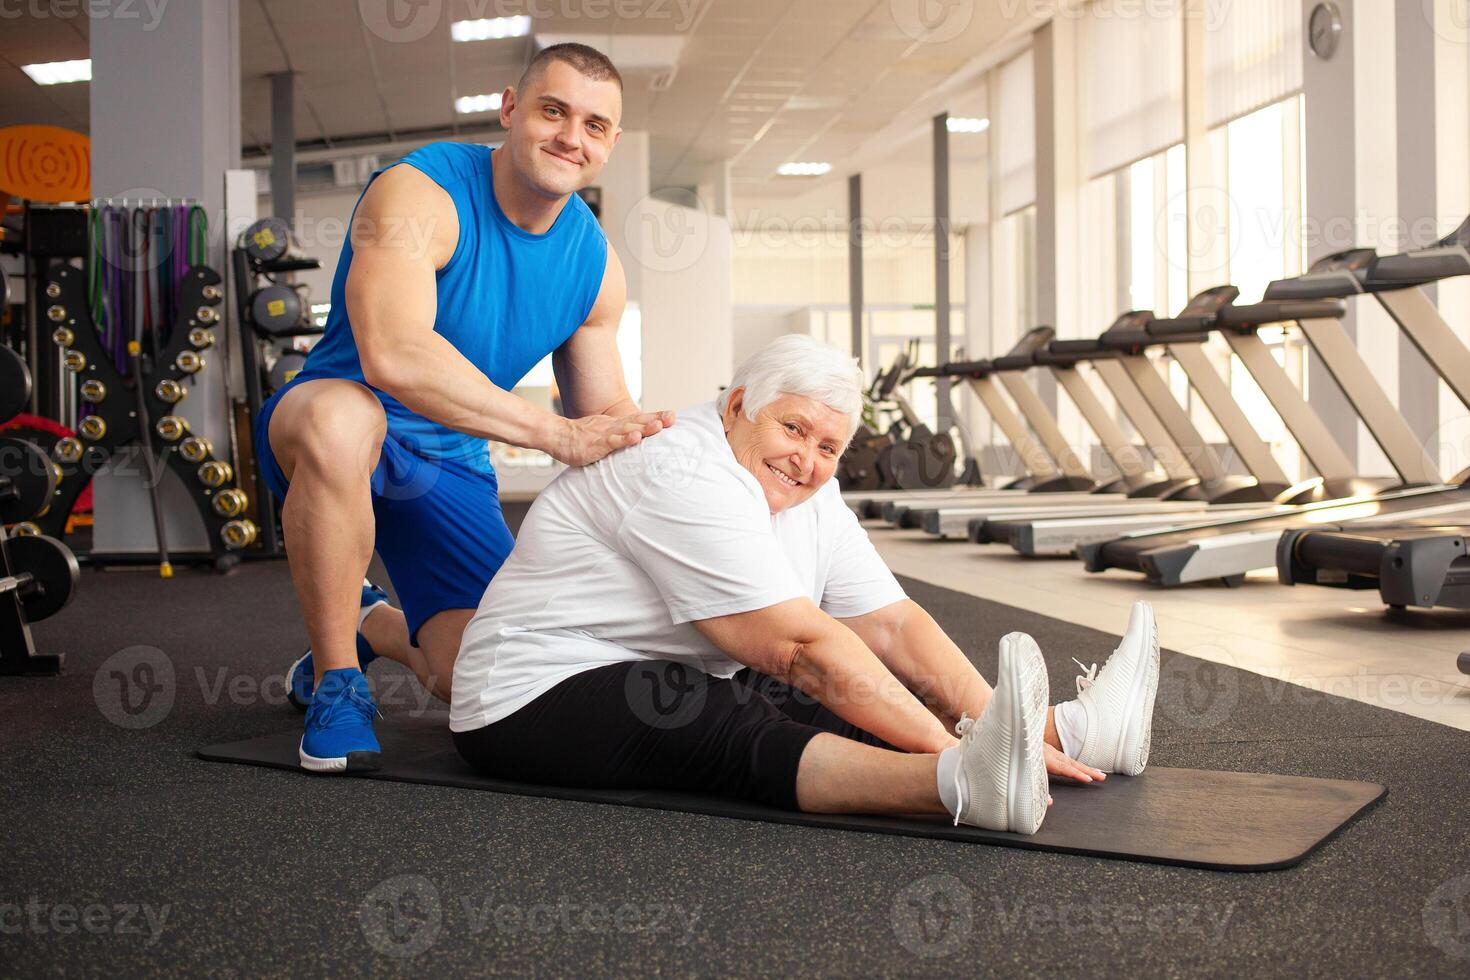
(798, 365)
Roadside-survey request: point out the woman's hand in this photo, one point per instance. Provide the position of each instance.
(1060, 764)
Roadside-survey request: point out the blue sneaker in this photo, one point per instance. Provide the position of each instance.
(339, 725)
(301, 675)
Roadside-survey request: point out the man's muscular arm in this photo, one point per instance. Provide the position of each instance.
(589, 369)
(405, 230)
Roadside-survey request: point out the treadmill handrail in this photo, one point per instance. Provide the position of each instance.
(1255, 315)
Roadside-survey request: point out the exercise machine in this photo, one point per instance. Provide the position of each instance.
(1240, 326)
(1122, 351)
(38, 574)
(1052, 467)
(1225, 551)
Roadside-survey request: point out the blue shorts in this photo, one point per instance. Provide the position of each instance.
(440, 531)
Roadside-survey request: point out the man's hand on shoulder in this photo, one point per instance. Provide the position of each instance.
(588, 439)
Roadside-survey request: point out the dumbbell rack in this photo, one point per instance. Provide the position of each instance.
(115, 421)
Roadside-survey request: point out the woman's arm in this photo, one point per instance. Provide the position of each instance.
(798, 644)
(911, 644)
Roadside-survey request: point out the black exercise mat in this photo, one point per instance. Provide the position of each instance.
(1224, 821)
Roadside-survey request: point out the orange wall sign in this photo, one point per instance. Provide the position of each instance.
(45, 163)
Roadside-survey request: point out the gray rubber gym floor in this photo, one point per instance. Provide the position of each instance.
(124, 854)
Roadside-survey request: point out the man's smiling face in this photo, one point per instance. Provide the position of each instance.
(561, 127)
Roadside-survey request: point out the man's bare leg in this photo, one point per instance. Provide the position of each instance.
(327, 435)
(432, 661)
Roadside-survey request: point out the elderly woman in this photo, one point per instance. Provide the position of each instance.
(702, 612)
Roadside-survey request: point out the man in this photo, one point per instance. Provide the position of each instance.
(463, 270)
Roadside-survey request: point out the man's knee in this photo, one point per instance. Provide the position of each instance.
(334, 426)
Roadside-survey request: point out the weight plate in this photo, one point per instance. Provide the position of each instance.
(859, 469)
(276, 309)
(54, 573)
(15, 384)
(287, 366)
(267, 239)
(31, 479)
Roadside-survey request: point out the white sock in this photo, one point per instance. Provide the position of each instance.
(1071, 720)
(362, 616)
(951, 795)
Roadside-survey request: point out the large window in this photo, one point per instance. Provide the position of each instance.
(1263, 168)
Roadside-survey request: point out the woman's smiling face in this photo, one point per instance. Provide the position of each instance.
(791, 446)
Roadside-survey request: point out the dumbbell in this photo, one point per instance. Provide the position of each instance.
(278, 309)
(28, 480)
(43, 574)
(269, 240)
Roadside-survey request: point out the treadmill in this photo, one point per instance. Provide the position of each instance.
(1053, 467)
(1227, 550)
(1129, 338)
(1336, 479)
(1145, 487)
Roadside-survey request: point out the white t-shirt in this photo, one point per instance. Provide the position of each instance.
(616, 560)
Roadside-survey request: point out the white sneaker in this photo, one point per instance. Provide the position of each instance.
(1002, 755)
(1119, 700)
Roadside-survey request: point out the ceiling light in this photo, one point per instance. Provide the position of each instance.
(964, 124)
(467, 104)
(803, 169)
(58, 72)
(490, 28)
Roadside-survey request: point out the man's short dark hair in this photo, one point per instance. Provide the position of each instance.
(589, 62)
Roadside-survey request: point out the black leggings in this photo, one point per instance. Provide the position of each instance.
(657, 724)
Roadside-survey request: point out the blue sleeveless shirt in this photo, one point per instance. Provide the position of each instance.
(506, 297)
